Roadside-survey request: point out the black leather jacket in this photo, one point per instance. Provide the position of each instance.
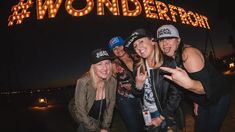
(167, 95)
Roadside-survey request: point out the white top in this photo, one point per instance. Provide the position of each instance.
(149, 101)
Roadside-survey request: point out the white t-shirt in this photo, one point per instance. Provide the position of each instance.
(149, 101)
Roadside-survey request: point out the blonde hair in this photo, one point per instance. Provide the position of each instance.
(158, 58)
(94, 78)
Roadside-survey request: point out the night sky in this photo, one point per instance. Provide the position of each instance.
(55, 52)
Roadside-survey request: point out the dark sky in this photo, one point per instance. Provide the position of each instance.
(55, 52)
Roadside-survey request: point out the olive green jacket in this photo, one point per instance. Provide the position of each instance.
(85, 95)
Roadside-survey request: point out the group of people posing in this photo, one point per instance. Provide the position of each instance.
(146, 79)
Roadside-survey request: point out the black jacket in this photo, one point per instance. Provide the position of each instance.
(166, 94)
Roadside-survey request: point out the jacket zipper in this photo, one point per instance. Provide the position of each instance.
(154, 90)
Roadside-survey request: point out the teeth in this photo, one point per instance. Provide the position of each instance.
(142, 51)
(104, 72)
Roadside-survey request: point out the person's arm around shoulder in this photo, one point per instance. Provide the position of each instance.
(194, 62)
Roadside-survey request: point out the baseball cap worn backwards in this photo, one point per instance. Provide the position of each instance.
(99, 55)
(115, 41)
(167, 31)
(137, 34)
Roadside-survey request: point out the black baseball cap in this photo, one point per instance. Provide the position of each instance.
(98, 55)
(137, 34)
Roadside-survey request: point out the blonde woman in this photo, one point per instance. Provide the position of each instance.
(161, 98)
(95, 95)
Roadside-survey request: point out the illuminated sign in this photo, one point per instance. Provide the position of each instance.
(152, 9)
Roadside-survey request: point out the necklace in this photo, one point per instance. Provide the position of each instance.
(100, 92)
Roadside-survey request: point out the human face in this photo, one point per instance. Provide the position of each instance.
(102, 69)
(119, 51)
(169, 45)
(144, 47)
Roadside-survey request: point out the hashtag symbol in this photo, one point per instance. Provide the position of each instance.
(19, 12)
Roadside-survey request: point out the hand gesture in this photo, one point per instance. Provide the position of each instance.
(179, 76)
(140, 78)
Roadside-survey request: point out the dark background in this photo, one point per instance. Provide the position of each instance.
(55, 52)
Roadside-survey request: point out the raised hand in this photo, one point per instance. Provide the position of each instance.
(140, 78)
(179, 76)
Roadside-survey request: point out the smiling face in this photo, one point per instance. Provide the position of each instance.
(144, 47)
(169, 45)
(119, 51)
(102, 69)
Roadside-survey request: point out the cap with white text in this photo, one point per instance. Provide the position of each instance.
(167, 31)
(99, 55)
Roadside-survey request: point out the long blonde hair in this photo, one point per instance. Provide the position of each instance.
(94, 78)
(158, 58)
